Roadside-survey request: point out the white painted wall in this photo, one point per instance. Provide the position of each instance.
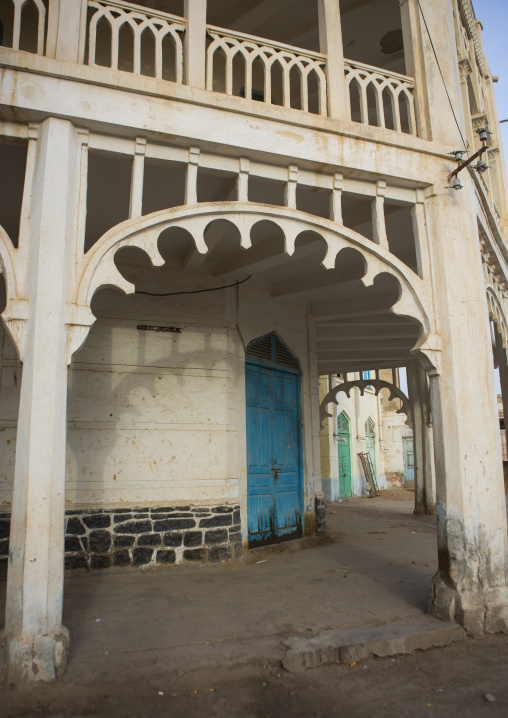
(159, 418)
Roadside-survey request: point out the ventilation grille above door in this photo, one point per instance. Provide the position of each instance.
(261, 349)
(283, 356)
(270, 349)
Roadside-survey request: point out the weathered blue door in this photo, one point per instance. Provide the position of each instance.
(274, 478)
(409, 462)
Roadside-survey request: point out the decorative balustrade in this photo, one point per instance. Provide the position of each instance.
(381, 98)
(24, 24)
(277, 74)
(135, 39)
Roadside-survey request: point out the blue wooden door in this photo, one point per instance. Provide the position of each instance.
(344, 451)
(273, 454)
(409, 461)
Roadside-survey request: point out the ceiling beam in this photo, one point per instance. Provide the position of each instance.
(266, 256)
(324, 281)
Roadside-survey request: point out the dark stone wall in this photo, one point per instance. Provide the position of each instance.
(100, 538)
(320, 515)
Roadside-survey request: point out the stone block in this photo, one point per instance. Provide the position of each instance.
(195, 554)
(84, 543)
(121, 558)
(193, 538)
(166, 557)
(72, 543)
(182, 515)
(201, 511)
(5, 516)
(4, 529)
(72, 562)
(236, 517)
(237, 549)
(173, 524)
(173, 539)
(122, 518)
(97, 521)
(217, 520)
(222, 510)
(4, 547)
(141, 515)
(141, 556)
(75, 527)
(134, 527)
(149, 540)
(215, 537)
(124, 541)
(220, 553)
(235, 536)
(122, 511)
(100, 541)
(100, 562)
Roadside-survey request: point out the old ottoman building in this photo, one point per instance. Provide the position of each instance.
(203, 209)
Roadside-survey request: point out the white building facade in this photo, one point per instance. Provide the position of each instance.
(205, 209)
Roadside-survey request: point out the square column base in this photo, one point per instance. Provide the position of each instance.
(483, 612)
(29, 659)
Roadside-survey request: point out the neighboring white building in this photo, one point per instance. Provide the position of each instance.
(203, 210)
(360, 423)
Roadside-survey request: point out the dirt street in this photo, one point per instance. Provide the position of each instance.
(440, 683)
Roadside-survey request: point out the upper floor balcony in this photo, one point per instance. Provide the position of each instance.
(285, 53)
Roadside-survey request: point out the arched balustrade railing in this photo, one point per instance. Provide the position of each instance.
(144, 52)
(29, 25)
(278, 62)
(382, 98)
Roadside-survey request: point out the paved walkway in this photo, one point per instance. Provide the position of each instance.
(375, 568)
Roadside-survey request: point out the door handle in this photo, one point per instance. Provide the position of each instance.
(276, 476)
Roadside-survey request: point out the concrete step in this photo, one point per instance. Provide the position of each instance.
(354, 644)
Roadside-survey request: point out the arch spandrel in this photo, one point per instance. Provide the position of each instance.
(97, 268)
(376, 385)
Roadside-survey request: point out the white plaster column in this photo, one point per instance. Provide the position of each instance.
(290, 188)
(242, 180)
(378, 215)
(138, 170)
(436, 119)
(413, 55)
(336, 198)
(67, 30)
(470, 585)
(191, 176)
(36, 640)
(195, 43)
(330, 44)
(421, 236)
(423, 466)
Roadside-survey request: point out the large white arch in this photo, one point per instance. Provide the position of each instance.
(97, 268)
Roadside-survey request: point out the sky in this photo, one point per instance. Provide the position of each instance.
(493, 15)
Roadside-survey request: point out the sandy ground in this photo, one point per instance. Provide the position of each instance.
(155, 627)
(440, 683)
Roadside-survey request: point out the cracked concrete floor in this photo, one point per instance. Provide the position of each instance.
(375, 568)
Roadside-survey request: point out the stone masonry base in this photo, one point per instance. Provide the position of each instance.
(100, 538)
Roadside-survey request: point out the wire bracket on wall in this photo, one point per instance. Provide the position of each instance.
(480, 166)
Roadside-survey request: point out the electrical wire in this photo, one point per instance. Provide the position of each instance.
(442, 77)
(196, 291)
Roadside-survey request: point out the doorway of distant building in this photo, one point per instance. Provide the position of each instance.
(274, 446)
(409, 460)
(370, 441)
(344, 450)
